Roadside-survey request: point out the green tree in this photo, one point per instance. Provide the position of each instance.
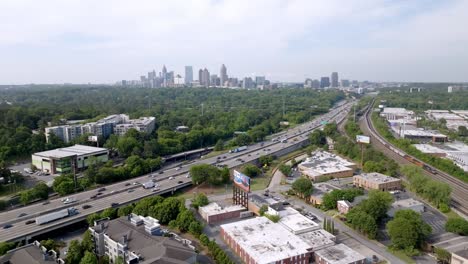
(265, 160)
(124, 211)
(167, 210)
(407, 231)
(462, 131)
(196, 228)
(285, 169)
(87, 243)
(263, 209)
(5, 247)
(50, 244)
(303, 187)
(184, 219)
(92, 217)
(200, 200)
(251, 170)
(442, 255)
(111, 213)
(362, 221)
(219, 145)
(377, 204)
(317, 138)
(457, 225)
(89, 258)
(75, 253)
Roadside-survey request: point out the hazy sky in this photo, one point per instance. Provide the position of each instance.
(56, 41)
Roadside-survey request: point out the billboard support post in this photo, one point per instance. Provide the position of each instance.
(361, 140)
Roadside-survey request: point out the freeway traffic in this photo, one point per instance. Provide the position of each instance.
(168, 180)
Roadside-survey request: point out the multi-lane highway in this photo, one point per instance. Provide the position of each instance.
(168, 180)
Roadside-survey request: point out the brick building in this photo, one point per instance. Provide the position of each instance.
(376, 181)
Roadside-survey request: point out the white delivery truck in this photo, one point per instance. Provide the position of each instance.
(44, 219)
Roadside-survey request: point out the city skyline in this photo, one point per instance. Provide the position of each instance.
(369, 40)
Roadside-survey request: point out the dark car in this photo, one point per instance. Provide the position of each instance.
(161, 172)
(30, 222)
(46, 202)
(93, 196)
(22, 214)
(101, 189)
(131, 190)
(86, 206)
(99, 193)
(7, 226)
(179, 182)
(114, 204)
(127, 184)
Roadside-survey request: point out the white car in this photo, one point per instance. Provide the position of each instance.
(171, 178)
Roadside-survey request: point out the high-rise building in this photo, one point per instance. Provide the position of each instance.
(200, 76)
(188, 75)
(345, 83)
(206, 77)
(315, 84)
(247, 83)
(164, 76)
(259, 80)
(324, 82)
(215, 80)
(334, 79)
(223, 77)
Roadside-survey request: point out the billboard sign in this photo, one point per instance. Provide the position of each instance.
(242, 181)
(362, 139)
(92, 138)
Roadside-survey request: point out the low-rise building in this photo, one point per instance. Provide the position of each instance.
(318, 239)
(338, 254)
(320, 189)
(343, 206)
(214, 212)
(455, 151)
(63, 160)
(376, 181)
(133, 238)
(260, 241)
(391, 113)
(31, 253)
(295, 222)
(460, 257)
(323, 164)
(256, 202)
(410, 203)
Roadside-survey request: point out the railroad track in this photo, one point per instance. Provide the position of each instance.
(459, 195)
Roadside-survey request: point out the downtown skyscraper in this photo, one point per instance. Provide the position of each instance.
(334, 79)
(188, 75)
(223, 75)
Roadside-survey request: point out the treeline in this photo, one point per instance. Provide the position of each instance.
(436, 192)
(211, 114)
(445, 165)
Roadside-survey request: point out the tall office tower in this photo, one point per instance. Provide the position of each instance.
(223, 75)
(247, 83)
(334, 79)
(170, 79)
(206, 77)
(324, 82)
(200, 76)
(259, 80)
(344, 83)
(188, 75)
(315, 84)
(164, 76)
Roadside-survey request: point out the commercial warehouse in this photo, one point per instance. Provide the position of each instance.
(323, 164)
(62, 160)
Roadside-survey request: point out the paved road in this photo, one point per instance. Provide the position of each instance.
(118, 192)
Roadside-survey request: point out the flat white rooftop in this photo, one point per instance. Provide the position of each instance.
(318, 239)
(377, 177)
(422, 133)
(396, 110)
(296, 222)
(265, 241)
(214, 209)
(322, 162)
(70, 151)
(339, 254)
